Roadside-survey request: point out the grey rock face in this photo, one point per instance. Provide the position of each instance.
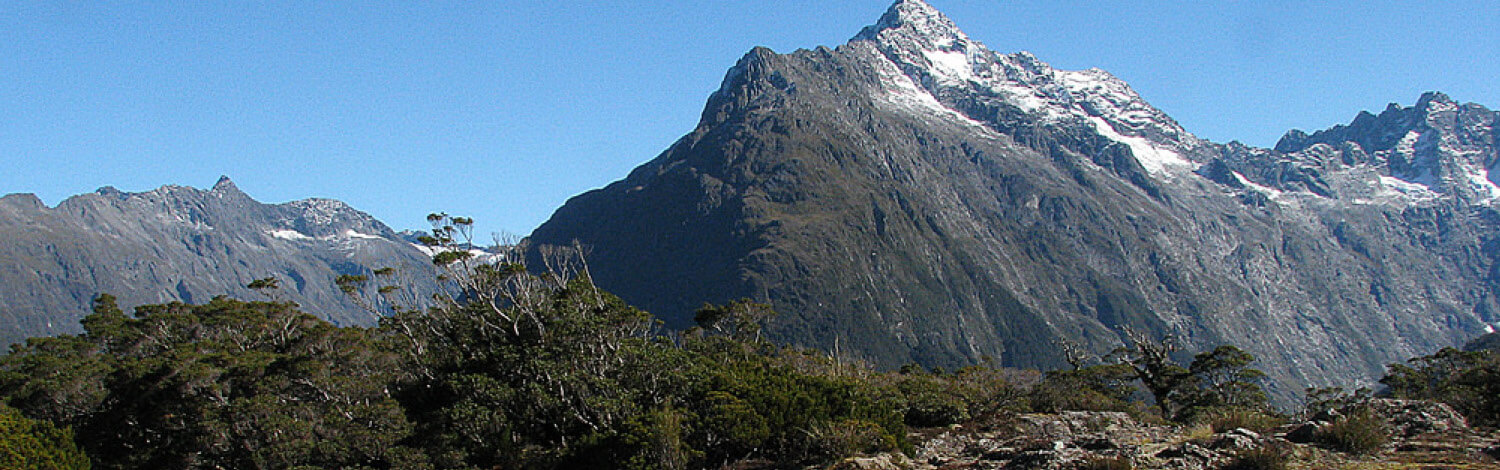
(179, 243)
(913, 196)
(1412, 418)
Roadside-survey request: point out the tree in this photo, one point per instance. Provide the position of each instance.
(1224, 379)
(513, 368)
(1467, 380)
(740, 320)
(1219, 378)
(227, 384)
(267, 283)
(1153, 365)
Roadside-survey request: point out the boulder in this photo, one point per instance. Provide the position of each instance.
(883, 461)
(1306, 432)
(1236, 439)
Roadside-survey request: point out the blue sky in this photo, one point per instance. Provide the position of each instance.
(502, 110)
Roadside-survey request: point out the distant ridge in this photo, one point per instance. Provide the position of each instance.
(180, 243)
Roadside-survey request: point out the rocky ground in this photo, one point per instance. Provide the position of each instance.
(1422, 435)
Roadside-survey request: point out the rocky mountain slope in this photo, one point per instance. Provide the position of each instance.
(180, 243)
(913, 196)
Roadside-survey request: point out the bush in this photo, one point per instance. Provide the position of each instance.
(1467, 380)
(1359, 432)
(226, 384)
(25, 443)
(1097, 388)
(928, 401)
(1259, 458)
(836, 440)
(1229, 419)
(658, 439)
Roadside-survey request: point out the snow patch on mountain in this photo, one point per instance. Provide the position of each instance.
(1155, 158)
(347, 235)
(321, 212)
(901, 93)
(288, 235)
(1482, 182)
(475, 254)
(1272, 193)
(1391, 185)
(950, 67)
(1111, 98)
(354, 234)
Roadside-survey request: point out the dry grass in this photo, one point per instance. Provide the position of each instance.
(1360, 433)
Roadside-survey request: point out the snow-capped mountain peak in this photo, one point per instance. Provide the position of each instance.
(985, 86)
(916, 21)
(1436, 146)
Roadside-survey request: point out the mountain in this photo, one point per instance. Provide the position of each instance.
(913, 196)
(181, 243)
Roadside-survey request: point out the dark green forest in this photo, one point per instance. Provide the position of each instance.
(521, 368)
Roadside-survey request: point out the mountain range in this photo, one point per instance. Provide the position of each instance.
(179, 243)
(914, 196)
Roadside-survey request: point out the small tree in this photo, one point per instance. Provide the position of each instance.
(1220, 378)
(267, 286)
(740, 320)
(1153, 365)
(1224, 379)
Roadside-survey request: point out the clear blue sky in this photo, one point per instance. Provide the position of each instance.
(503, 111)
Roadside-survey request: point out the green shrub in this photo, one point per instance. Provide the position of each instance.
(731, 427)
(26, 443)
(1359, 432)
(1467, 380)
(836, 440)
(1097, 388)
(928, 401)
(658, 440)
(224, 384)
(1259, 458)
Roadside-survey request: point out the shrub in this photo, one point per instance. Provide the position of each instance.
(928, 401)
(658, 440)
(25, 443)
(1229, 419)
(1097, 388)
(1259, 458)
(1198, 432)
(835, 440)
(1359, 432)
(1467, 380)
(731, 427)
